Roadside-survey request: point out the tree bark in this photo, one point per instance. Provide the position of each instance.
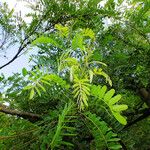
(25, 115)
(145, 96)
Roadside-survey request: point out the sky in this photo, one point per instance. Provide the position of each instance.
(23, 61)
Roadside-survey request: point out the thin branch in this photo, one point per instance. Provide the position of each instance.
(22, 46)
(16, 56)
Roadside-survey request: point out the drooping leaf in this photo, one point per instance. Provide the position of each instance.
(91, 75)
(120, 118)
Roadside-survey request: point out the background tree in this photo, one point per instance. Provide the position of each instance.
(123, 46)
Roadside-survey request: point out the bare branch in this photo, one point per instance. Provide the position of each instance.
(26, 115)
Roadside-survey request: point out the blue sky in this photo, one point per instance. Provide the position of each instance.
(22, 61)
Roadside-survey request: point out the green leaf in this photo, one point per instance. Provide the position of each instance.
(63, 31)
(24, 72)
(88, 32)
(102, 92)
(115, 99)
(103, 135)
(95, 90)
(59, 133)
(115, 147)
(120, 118)
(77, 42)
(45, 40)
(46, 82)
(67, 143)
(42, 87)
(32, 93)
(39, 93)
(27, 87)
(109, 95)
(91, 75)
(119, 107)
(114, 139)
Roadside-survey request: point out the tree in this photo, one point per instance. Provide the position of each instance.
(63, 102)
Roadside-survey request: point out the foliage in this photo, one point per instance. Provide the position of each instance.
(110, 101)
(102, 134)
(87, 73)
(81, 77)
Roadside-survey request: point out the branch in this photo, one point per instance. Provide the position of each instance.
(26, 115)
(16, 56)
(23, 46)
(145, 95)
(140, 118)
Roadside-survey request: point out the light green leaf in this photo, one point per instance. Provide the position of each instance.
(114, 139)
(32, 93)
(119, 107)
(77, 42)
(45, 40)
(27, 87)
(63, 31)
(97, 62)
(91, 75)
(75, 85)
(89, 32)
(45, 82)
(109, 95)
(120, 118)
(102, 92)
(85, 99)
(71, 74)
(38, 84)
(76, 89)
(39, 93)
(86, 87)
(77, 93)
(71, 61)
(115, 99)
(86, 91)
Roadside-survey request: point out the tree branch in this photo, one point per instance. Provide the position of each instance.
(26, 115)
(23, 46)
(140, 118)
(16, 56)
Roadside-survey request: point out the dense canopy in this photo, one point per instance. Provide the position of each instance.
(89, 87)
